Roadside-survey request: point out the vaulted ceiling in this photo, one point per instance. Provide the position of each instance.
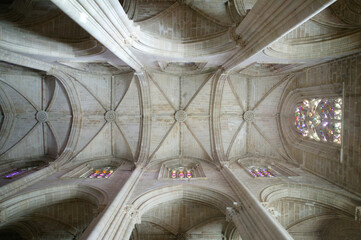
(132, 66)
(189, 222)
(151, 81)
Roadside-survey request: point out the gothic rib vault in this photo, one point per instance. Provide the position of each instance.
(146, 86)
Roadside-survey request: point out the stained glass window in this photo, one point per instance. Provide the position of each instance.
(189, 174)
(180, 172)
(173, 174)
(260, 172)
(105, 172)
(18, 172)
(15, 173)
(320, 119)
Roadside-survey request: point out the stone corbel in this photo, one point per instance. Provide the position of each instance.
(237, 38)
(135, 215)
(128, 209)
(265, 204)
(225, 164)
(231, 211)
(273, 212)
(237, 206)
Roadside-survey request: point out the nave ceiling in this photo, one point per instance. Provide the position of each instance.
(155, 82)
(161, 35)
(214, 129)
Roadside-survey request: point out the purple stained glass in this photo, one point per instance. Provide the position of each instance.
(109, 173)
(252, 173)
(173, 174)
(14, 174)
(95, 174)
(102, 173)
(320, 119)
(260, 172)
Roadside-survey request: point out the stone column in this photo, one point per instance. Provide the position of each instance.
(106, 21)
(268, 21)
(133, 217)
(249, 216)
(234, 215)
(118, 219)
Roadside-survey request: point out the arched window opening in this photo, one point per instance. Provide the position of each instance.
(19, 169)
(266, 168)
(104, 172)
(98, 169)
(18, 172)
(261, 172)
(320, 119)
(181, 169)
(180, 173)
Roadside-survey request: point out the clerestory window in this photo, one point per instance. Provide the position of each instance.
(18, 172)
(260, 172)
(320, 119)
(180, 172)
(105, 172)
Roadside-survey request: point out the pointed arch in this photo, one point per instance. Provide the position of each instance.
(24, 203)
(291, 98)
(342, 202)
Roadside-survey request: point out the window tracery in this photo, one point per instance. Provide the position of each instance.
(105, 172)
(320, 119)
(265, 168)
(261, 172)
(181, 169)
(180, 173)
(100, 168)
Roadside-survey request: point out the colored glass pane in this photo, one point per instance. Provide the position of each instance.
(180, 173)
(14, 174)
(18, 172)
(320, 119)
(260, 172)
(173, 174)
(101, 173)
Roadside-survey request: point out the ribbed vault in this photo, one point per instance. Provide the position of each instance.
(87, 83)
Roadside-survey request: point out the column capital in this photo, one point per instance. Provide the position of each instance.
(234, 210)
(230, 212)
(224, 164)
(274, 212)
(133, 213)
(136, 216)
(236, 37)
